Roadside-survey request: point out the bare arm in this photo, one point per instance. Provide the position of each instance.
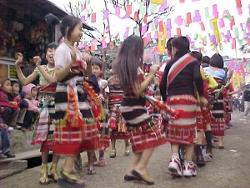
(138, 90)
(61, 73)
(49, 78)
(143, 86)
(24, 80)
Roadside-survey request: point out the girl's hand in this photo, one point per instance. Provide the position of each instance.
(37, 60)
(19, 59)
(154, 68)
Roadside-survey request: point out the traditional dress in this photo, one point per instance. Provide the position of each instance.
(218, 112)
(144, 133)
(44, 130)
(76, 128)
(203, 112)
(228, 103)
(116, 121)
(180, 75)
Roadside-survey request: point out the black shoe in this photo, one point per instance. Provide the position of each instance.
(9, 155)
(200, 161)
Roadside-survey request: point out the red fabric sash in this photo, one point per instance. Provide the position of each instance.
(178, 66)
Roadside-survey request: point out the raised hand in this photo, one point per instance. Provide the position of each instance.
(19, 59)
(37, 60)
(154, 68)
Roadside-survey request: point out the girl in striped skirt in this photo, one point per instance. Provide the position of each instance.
(43, 133)
(116, 122)
(218, 118)
(76, 129)
(181, 76)
(144, 134)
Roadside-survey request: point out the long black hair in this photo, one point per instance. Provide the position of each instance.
(129, 59)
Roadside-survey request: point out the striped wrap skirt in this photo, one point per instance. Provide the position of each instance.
(44, 129)
(117, 124)
(218, 117)
(182, 130)
(145, 136)
(72, 137)
(203, 118)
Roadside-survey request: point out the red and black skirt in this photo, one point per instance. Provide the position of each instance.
(182, 130)
(78, 131)
(145, 136)
(218, 117)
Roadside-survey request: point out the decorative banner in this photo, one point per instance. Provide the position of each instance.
(168, 24)
(179, 20)
(207, 12)
(161, 38)
(145, 19)
(215, 11)
(128, 10)
(202, 26)
(239, 6)
(158, 2)
(144, 29)
(189, 18)
(164, 5)
(136, 16)
(178, 31)
(221, 23)
(156, 22)
(104, 44)
(93, 17)
(117, 11)
(105, 14)
(197, 16)
(233, 43)
(83, 19)
(161, 27)
(216, 31)
(212, 39)
(232, 23)
(236, 33)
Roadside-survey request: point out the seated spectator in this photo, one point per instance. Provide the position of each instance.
(31, 115)
(9, 108)
(4, 140)
(18, 97)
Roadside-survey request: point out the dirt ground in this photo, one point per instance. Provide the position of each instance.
(230, 169)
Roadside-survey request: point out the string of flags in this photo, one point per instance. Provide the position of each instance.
(218, 26)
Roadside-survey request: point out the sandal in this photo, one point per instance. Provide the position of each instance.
(143, 178)
(127, 152)
(128, 177)
(112, 153)
(100, 163)
(71, 177)
(91, 171)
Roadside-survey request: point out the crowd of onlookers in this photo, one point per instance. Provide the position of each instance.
(18, 110)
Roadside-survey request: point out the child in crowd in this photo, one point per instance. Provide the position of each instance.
(10, 108)
(104, 140)
(7, 111)
(31, 115)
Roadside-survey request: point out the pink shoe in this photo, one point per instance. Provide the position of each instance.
(189, 169)
(175, 166)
